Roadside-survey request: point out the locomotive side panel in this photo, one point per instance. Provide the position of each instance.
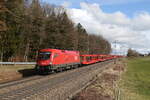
(66, 57)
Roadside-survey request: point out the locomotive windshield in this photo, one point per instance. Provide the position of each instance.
(44, 55)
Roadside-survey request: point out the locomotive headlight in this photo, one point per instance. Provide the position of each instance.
(50, 63)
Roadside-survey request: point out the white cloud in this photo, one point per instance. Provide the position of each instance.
(133, 32)
(141, 21)
(66, 4)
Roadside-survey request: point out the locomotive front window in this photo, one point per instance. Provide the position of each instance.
(44, 55)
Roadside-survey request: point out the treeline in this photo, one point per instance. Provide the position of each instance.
(134, 53)
(28, 25)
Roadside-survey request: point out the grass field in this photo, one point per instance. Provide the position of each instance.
(136, 80)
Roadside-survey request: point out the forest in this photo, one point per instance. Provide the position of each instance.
(29, 25)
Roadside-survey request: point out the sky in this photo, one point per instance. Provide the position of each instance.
(124, 23)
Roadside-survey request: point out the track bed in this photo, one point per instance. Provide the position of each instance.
(52, 87)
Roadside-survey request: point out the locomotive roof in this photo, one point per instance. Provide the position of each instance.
(58, 51)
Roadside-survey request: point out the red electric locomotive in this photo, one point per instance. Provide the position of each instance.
(54, 59)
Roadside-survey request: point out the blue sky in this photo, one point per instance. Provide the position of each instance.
(129, 7)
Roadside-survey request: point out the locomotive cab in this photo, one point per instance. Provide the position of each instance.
(43, 61)
(44, 58)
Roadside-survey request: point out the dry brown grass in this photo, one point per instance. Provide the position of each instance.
(13, 72)
(104, 88)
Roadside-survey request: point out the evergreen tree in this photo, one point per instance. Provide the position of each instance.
(12, 18)
(83, 42)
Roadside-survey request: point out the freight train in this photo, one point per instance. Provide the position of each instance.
(51, 60)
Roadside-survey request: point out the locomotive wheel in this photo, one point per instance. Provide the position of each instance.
(72, 67)
(76, 66)
(59, 69)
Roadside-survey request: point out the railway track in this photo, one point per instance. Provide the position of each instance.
(54, 87)
(24, 80)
